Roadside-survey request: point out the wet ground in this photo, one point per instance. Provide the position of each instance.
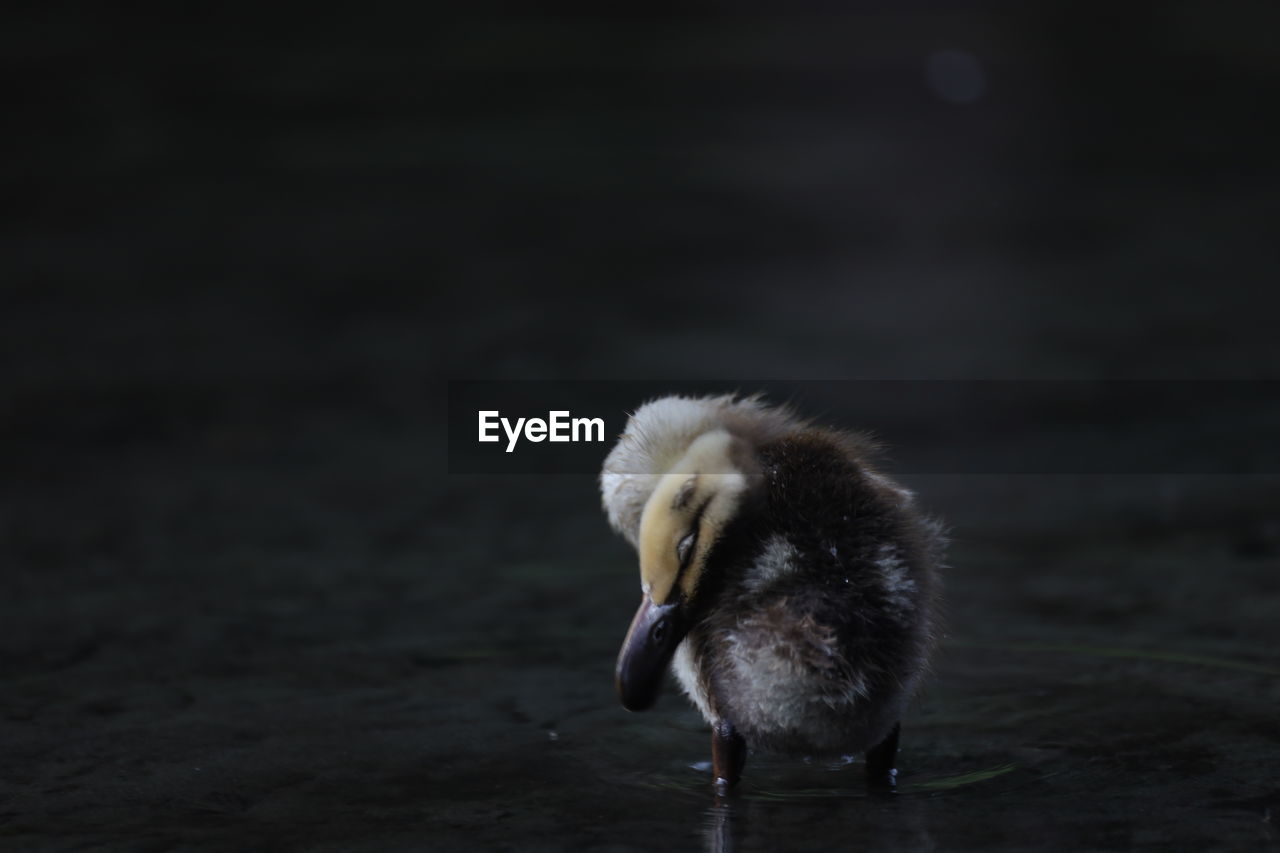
(258, 665)
(243, 605)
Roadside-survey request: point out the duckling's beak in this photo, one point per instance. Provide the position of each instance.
(655, 633)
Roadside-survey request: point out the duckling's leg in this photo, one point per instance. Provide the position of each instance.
(880, 760)
(728, 754)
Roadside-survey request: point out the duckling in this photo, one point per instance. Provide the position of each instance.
(788, 585)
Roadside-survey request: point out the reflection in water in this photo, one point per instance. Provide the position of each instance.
(886, 821)
(718, 827)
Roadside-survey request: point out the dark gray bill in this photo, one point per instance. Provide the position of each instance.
(656, 631)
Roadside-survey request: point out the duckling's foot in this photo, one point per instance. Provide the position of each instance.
(881, 774)
(728, 755)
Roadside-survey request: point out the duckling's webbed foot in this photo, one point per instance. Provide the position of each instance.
(728, 755)
(881, 774)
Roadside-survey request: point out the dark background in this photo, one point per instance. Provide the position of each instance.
(243, 605)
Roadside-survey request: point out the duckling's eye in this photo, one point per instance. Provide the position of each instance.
(685, 547)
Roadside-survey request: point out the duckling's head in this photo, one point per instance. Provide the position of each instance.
(682, 522)
(682, 471)
(690, 506)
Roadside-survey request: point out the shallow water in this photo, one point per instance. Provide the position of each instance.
(367, 705)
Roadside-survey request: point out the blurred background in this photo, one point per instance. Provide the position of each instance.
(242, 602)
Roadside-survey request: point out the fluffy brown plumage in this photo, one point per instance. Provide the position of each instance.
(807, 608)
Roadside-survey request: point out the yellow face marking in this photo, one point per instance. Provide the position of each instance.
(686, 512)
